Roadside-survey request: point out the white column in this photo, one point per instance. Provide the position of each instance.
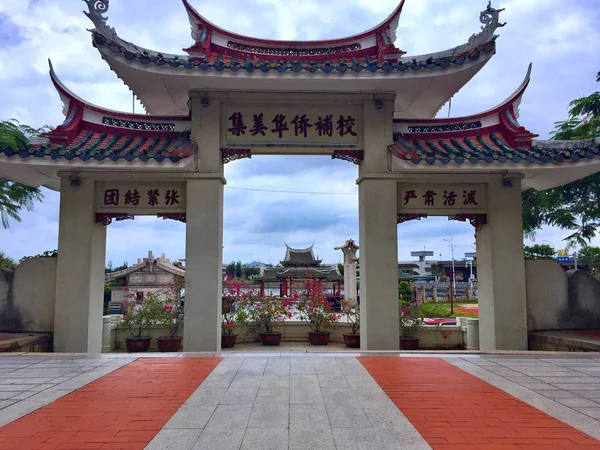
(80, 271)
(379, 325)
(501, 271)
(350, 282)
(204, 255)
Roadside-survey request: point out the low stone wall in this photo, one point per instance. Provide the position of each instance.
(27, 297)
(431, 336)
(559, 300)
(25, 343)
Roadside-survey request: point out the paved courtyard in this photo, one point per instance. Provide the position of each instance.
(300, 401)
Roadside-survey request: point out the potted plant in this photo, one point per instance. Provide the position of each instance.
(352, 311)
(171, 316)
(314, 309)
(142, 311)
(266, 313)
(411, 319)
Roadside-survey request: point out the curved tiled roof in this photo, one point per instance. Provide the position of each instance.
(94, 134)
(220, 62)
(90, 145)
(490, 147)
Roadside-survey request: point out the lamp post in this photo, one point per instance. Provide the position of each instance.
(453, 286)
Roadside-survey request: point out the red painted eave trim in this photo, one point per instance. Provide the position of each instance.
(60, 87)
(382, 26)
(508, 103)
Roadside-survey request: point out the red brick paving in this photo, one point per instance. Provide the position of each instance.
(454, 410)
(123, 410)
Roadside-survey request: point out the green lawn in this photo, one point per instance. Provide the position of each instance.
(442, 309)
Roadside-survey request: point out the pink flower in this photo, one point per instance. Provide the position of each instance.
(125, 288)
(405, 309)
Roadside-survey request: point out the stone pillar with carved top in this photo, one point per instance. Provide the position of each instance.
(501, 270)
(378, 208)
(80, 271)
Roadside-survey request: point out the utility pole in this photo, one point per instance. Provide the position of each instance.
(451, 242)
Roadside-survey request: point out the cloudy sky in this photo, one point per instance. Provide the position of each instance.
(298, 200)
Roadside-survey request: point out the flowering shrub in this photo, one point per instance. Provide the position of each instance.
(142, 312)
(266, 313)
(411, 317)
(314, 308)
(235, 294)
(172, 315)
(352, 311)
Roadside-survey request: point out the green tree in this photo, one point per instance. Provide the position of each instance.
(15, 197)
(575, 206)
(238, 269)
(6, 262)
(340, 268)
(544, 251)
(404, 290)
(590, 256)
(230, 269)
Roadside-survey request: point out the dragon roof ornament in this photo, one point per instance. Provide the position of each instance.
(96, 10)
(490, 18)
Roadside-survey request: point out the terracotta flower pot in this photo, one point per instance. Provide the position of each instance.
(352, 340)
(318, 337)
(409, 343)
(169, 344)
(138, 344)
(228, 341)
(270, 339)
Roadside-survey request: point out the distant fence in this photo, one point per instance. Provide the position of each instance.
(438, 292)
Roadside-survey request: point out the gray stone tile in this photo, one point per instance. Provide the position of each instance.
(302, 366)
(540, 386)
(206, 396)
(592, 412)
(569, 379)
(18, 410)
(558, 394)
(577, 386)
(326, 380)
(24, 395)
(253, 366)
(272, 395)
(218, 381)
(327, 366)
(228, 417)
(346, 415)
(239, 396)
(191, 416)
(578, 403)
(24, 380)
(8, 395)
(50, 395)
(174, 439)
(5, 403)
(338, 396)
(265, 439)
(270, 415)
(278, 366)
(308, 438)
(14, 387)
(271, 381)
(310, 416)
(211, 439)
(305, 389)
(371, 439)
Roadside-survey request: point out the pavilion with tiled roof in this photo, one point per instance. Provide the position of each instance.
(298, 265)
(361, 99)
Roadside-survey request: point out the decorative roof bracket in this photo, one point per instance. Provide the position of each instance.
(490, 18)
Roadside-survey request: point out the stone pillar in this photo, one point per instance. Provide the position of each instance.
(379, 325)
(349, 249)
(79, 272)
(434, 293)
(203, 256)
(501, 271)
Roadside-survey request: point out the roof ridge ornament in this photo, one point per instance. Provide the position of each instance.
(96, 10)
(490, 18)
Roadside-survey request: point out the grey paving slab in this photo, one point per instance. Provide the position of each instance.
(273, 395)
(167, 439)
(18, 410)
(307, 438)
(191, 416)
(269, 415)
(309, 415)
(578, 403)
(593, 412)
(305, 389)
(302, 366)
(206, 396)
(5, 403)
(371, 439)
(265, 439)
